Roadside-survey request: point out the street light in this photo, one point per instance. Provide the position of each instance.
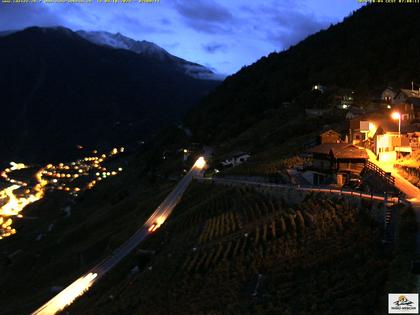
(397, 115)
(200, 163)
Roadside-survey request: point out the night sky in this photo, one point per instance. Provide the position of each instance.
(223, 35)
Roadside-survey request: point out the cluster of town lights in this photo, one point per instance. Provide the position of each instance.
(82, 174)
(71, 177)
(13, 200)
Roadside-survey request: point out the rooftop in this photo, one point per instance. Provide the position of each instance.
(340, 151)
(410, 93)
(330, 132)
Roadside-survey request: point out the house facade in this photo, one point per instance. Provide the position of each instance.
(388, 95)
(414, 140)
(335, 163)
(407, 102)
(359, 130)
(390, 144)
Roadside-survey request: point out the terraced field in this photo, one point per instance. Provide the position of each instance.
(241, 251)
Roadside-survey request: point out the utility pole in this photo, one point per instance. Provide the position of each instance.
(399, 126)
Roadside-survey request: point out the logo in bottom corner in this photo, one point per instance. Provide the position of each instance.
(403, 303)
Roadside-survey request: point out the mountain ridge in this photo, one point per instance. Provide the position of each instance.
(141, 47)
(62, 90)
(144, 47)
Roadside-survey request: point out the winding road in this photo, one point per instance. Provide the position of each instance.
(412, 194)
(341, 192)
(83, 283)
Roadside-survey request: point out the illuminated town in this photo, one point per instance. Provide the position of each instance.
(72, 178)
(210, 157)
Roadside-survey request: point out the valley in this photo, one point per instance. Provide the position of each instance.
(134, 181)
(72, 178)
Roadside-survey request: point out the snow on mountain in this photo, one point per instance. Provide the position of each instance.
(143, 47)
(122, 42)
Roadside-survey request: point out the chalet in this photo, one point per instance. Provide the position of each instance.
(388, 95)
(335, 163)
(414, 140)
(329, 136)
(408, 103)
(406, 96)
(235, 159)
(389, 143)
(359, 129)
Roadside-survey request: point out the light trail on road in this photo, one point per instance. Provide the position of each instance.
(69, 294)
(158, 217)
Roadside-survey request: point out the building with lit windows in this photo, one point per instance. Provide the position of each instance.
(334, 163)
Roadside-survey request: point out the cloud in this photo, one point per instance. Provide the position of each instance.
(270, 7)
(134, 24)
(209, 11)
(292, 26)
(172, 45)
(282, 24)
(165, 21)
(214, 47)
(205, 16)
(203, 31)
(13, 17)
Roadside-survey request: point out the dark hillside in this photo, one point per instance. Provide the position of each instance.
(52, 247)
(58, 90)
(375, 47)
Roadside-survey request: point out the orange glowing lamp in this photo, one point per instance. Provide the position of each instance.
(396, 115)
